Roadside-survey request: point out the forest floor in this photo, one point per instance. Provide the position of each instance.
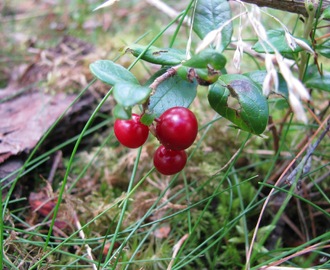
(116, 211)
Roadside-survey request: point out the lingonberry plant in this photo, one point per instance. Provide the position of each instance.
(177, 128)
(175, 84)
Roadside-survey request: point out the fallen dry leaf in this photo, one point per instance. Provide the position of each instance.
(44, 201)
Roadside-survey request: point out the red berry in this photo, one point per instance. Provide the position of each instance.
(177, 128)
(131, 133)
(168, 161)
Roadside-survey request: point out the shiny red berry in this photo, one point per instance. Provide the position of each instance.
(168, 161)
(177, 128)
(131, 133)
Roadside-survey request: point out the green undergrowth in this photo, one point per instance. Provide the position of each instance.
(117, 212)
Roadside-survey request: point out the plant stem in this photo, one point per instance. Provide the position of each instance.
(308, 29)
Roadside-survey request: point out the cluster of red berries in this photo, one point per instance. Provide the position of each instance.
(176, 129)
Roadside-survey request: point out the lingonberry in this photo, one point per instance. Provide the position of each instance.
(168, 161)
(177, 128)
(131, 133)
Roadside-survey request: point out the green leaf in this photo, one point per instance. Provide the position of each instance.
(111, 73)
(211, 15)
(129, 94)
(326, 13)
(147, 118)
(172, 92)
(319, 82)
(205, 58)
(160, 56)
(277, 39)
(252, 112)
(324, 48)
(120, 112)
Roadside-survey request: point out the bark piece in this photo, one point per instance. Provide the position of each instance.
(294, 6)
(26, 118)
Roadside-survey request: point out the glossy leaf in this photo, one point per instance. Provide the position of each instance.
(111, 73)
(120, 112)
(205, 58)
(129, 94)
(326, 13)
(319, 82)
(147, 118)
(252, 114)
(324, 48)
(277, 39)
(174, 91)
(160, 56)
(211, 15)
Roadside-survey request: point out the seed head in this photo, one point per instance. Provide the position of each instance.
(297, 107)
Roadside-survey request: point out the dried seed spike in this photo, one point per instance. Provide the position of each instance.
(106, 4)
(304, 45)
(269, 62)
(218, 40)
(237, 59)
(275, 79)
(297, 107)
(285, 71)
(270, 83)
(238, 55)
(267, 85)
(290, 40)
(258, 28)
(300, 89)
(208, 40)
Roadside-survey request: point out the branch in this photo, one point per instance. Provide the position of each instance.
(295, 6)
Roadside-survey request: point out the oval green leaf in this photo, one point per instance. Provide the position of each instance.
(324, 48)
(211, 15)
(147, 118)
(326, 13)
(172, 92)
(120, 112)
(252, 113)
(160, 56)
(205, 58)
(319, 82)
(278, 40)
(129, 94)
(111, 73)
